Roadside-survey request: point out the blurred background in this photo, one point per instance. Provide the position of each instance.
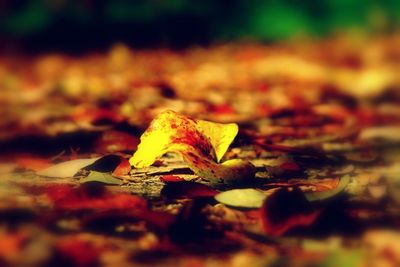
(76, 26)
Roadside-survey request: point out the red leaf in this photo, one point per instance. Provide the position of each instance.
(285, 210)
(171, 178)
(90, 197)
(114, 141)
(97, 198)
(187, 190)
(123, 168)
(159, 219)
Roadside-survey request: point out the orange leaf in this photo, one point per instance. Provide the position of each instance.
(123, 168)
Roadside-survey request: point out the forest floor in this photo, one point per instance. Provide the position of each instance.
(320, 123)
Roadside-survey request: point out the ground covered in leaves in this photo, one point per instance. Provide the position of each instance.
(320, 122)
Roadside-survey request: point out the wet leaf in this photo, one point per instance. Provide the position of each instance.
(100, 177)
(242, 198)
(201, 143)
(66, 168)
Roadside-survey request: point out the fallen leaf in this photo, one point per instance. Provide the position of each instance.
(318, 196)
(100, 177)
(201, 143)
(187, 190)
(123, 168)
(286, 209)
(171, 178)
(104, 203)
(66, 168)
(220, 135)
(92, 197)
(242, 198)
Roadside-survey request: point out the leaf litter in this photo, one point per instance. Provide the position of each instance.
(315, 143)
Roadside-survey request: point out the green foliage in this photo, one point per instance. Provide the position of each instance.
(30, 18)
(256, 19)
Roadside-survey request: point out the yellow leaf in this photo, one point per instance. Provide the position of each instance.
(201, 143)
(220, 135)
(170, 132)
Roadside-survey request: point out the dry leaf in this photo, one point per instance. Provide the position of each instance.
(100, 177)
(201, 143)
(67, 168)
(242, 198)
